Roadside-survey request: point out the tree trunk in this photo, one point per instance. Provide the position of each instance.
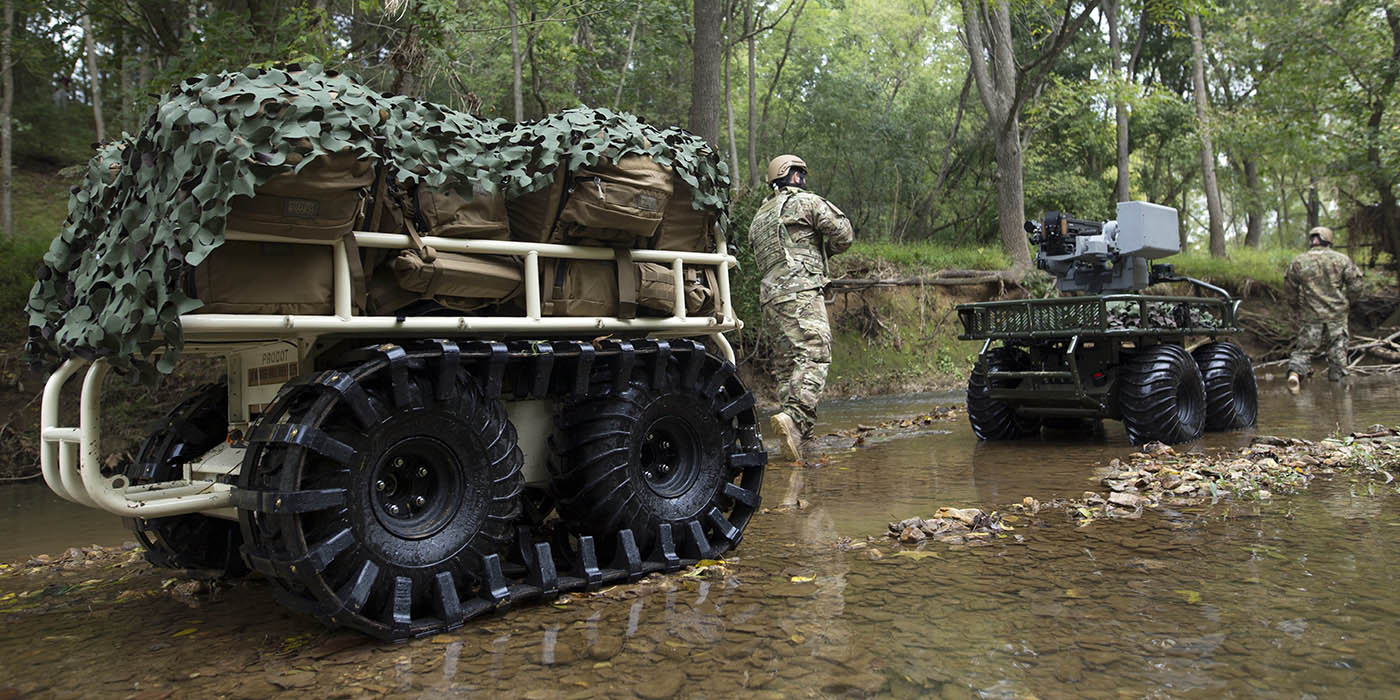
(1120, 109)
(704, 84)
(1314, 205)
(627, 61)
(517, 94)
(994, 70)
(1254, 206)
(1208, 183)
(1182, 230)
(7, 103)
(749, 25)
(94, 76)
(1381, 177)
(729, 108)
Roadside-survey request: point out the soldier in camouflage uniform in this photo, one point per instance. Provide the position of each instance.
(1318, 286)
(793, 234)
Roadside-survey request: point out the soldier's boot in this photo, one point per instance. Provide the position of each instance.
(789, 437)
(1294, 383)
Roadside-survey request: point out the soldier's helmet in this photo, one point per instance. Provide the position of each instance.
(1321, 232)
(779, 167)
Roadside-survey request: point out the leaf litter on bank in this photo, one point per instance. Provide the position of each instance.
(1158, 475)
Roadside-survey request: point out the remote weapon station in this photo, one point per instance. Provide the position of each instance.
(467, 363)
(1103, 350)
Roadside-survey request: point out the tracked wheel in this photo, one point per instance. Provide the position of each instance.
(669, 450)
(994, 419)
(1232, 397)
(193, 542)
(375, 492)
(1162, 396)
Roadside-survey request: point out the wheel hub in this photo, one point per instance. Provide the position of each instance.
(669, 457)
(415, 489)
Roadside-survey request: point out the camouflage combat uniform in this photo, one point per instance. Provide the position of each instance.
(1317, 286)
(792, 235)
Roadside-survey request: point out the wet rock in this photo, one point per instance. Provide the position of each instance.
(912, 535)
(1127, 500)
(1158, 449)
(605, 648)
(663, 684)
(293, 680)
(965, 516)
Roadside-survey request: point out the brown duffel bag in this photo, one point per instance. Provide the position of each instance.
(320, 202)
(615, 203)
(455, 280)
(248, 277)
(462, 282)
(597, 288)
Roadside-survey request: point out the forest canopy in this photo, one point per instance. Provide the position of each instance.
(943, 122)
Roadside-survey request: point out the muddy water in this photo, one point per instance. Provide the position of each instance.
(1289, 598)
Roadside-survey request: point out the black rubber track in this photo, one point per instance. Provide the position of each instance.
(297, 491)
(993, 419)
(195, 542)
(1232, 397)
(1162, 396)
(672, 448)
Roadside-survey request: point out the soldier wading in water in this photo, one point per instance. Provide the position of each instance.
(1318, 286)
(793, 234)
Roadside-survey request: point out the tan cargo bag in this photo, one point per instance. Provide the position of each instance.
(462, 282)
(684, 227)
(321, 202)
(615, 203)
(656, 288)
(457, 281)
(531, 216)
(450, 215)
(581, 288)
(246, 277)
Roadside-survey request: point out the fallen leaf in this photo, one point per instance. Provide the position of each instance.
(185, 632)
(1192, 597)
(916, 555)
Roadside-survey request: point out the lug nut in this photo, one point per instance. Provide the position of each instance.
(393, 509)
(649, 475)
(398, 462)
(422, 471)
(380, 485)
(419, 501)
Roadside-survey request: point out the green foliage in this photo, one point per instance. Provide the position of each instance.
(925, 256)
(1264, 266)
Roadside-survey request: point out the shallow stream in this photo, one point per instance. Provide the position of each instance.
(1292, 597)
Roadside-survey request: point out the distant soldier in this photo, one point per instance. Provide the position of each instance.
(793, 234)
(1318, 286)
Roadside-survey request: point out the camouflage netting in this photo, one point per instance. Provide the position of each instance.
(153, 205)
(1126, 314)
